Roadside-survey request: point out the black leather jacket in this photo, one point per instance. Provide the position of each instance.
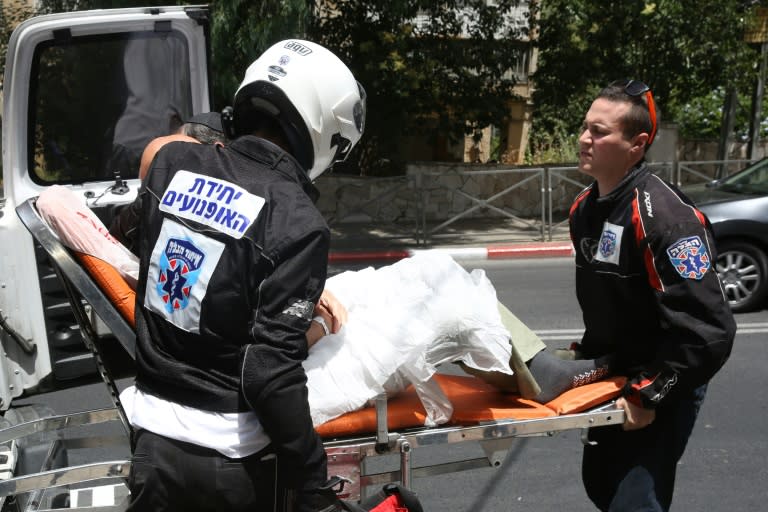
(647, 286)
(233, 258)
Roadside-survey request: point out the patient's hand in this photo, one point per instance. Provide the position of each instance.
(331, 309)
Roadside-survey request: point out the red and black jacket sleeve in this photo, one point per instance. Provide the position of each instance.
(697, 325)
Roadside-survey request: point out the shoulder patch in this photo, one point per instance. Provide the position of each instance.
(690, 257)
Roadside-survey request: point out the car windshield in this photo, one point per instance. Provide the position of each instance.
(751, 181)
(96, 101)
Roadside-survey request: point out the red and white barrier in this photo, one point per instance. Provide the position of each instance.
(491, 252)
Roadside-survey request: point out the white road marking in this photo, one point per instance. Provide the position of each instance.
(576, 334)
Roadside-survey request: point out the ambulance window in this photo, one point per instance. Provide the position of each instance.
(96, 101)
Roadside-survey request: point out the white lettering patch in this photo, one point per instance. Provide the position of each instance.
(180, 269)
(215, 203)
(648, 204)
(609, 246)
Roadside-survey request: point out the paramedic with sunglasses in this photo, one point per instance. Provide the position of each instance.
(649, 294)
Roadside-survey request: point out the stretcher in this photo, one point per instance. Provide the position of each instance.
(393, 428)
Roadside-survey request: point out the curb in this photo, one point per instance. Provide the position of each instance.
(491, 252)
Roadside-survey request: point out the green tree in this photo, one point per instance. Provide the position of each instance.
(683, 49)
(11, 14)
(438, 70)
(242, 29)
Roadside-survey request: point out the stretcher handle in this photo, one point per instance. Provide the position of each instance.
(382, 430)
(608, 407)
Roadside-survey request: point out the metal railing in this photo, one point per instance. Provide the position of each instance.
(535, 199)
(480, 201)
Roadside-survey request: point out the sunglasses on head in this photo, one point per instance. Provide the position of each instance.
(637, 88)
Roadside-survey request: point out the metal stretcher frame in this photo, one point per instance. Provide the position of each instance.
(348, 456)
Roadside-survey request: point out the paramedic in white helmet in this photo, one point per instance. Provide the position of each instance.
(233, 258)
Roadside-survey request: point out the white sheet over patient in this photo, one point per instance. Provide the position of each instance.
(404, 320)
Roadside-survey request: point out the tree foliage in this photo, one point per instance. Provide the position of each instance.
(242, 29)
(437, 70)
(11, 14)
(683, 49)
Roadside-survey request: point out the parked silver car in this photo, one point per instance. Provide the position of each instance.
(737, 206)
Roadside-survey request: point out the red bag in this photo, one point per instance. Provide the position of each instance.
(392, 503)
(393, 498)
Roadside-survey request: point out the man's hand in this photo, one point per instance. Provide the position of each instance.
(636, 417)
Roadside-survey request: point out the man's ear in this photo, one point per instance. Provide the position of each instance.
(640, 144)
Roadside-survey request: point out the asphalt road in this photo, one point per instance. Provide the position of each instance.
(723, 469)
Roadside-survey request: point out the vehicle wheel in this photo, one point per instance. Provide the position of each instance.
(742, 268)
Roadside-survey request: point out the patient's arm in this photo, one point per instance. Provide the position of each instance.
(125, 225)
(154, 146)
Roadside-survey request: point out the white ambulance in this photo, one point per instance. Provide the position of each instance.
(83, 93)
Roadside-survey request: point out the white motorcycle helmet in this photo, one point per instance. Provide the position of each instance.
(311, 94)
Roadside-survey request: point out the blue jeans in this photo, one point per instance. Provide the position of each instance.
(635, 471)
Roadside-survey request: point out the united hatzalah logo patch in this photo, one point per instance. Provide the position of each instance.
(690, 258)
(180, 268)
(609, 245)
(178, 272)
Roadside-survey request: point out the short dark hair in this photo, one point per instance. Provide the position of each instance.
(638, 119)
(206, 128)
(203, 134)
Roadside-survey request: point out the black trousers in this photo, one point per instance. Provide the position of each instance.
(171, 475)
(635, 470)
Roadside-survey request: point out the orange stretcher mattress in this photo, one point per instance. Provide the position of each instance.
(122, 296)
(474, 401)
